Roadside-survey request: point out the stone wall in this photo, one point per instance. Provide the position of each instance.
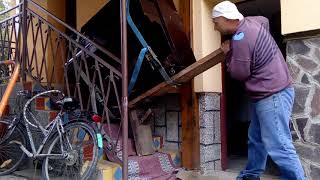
(210, 141)
(303, 58)
(167, 121)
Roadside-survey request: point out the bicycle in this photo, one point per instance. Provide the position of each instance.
(68, 150)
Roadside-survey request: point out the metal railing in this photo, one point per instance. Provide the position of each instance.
(52, 58)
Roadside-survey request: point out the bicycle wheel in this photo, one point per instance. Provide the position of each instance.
(80, 143)
(11, 155)
(111, 150)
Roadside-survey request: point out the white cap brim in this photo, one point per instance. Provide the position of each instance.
(237, 15)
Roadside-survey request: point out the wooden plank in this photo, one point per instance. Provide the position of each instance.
(189, 104)
(182, 77)
(184, 12)
(142, 134)
(190, 127)
(196, 131)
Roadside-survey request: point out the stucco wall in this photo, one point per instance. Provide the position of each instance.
(205, 41)
(298, 16)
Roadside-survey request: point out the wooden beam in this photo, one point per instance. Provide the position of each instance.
(182, 77)
(184, 12)
(187, 147)
(190, 148)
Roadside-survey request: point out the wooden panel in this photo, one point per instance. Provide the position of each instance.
(190, 127)
(190, 151)
(184, 11)
(142, 134)
(187, 128)
(182, 77)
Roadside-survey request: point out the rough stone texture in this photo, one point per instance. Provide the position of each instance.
(305, 79)
(294, 136)
(308, 152)
(217, 151)
(210, 102)
(317, 53)
(302, 122)
(172, 126)
(307, 63)
(166, 119)
(317, 77)
(207, 118)
(210, 149)
(217, 165)
(207, 153)
(314, 133)
(159, 116)
(314, 41)
(314, 172)
(303, 57)
(210, 153)
(315, 103)
(217, 131)
(207, 135)
(300, 99)
(208, 166)
(294, 71)
(297, 47)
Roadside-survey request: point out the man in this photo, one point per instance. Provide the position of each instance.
(254, 58)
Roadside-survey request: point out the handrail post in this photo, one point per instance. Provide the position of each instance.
(124, 65)
(24, 39)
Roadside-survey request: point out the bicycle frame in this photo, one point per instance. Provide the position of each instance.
(56, 123)
(46, 131)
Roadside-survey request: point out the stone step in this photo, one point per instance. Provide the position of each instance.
(231, 175)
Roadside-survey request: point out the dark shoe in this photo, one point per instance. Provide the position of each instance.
(250, 177)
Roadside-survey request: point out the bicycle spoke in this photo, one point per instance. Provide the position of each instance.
(80, 148)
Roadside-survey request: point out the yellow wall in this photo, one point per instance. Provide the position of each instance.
(176, 3)
(205, 41)
(86, 9)
(57, 8)
(298, 15)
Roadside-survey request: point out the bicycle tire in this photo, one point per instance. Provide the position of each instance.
(56, 139)
(19, 134)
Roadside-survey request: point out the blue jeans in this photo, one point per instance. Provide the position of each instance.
(269, 134)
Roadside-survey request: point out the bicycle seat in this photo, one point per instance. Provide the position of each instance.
(68, 103)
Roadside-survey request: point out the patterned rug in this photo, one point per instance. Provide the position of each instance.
(158, 166)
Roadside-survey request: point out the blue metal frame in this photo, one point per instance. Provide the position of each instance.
(155, 63)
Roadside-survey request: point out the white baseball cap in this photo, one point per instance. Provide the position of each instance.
(228, 10)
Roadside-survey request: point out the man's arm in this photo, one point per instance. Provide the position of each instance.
(240, 60)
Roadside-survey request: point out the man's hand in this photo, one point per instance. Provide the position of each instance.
(225, 46)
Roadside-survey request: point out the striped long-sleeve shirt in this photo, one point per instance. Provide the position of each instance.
(256, 59)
